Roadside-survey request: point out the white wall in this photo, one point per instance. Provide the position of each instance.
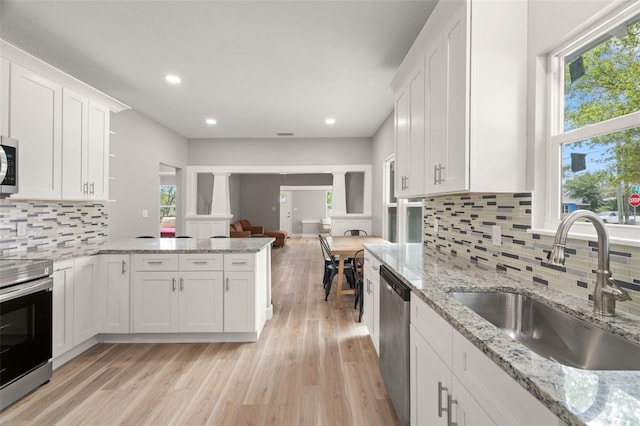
(140, 145)
(383, 147)
(275, 152)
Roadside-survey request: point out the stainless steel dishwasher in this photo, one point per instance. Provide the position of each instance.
(394, 341)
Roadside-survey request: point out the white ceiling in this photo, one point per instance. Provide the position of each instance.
(257, 67)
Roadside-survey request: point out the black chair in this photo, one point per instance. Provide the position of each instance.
(183, 236)
(332, 267)
(355, 233)
(145, 236)
(357, 262)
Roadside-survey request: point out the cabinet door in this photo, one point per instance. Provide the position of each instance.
(85, 298)
(115, 288)
(455, 153)
(465, 410)
(75, 114)
(435, 105)
(403, 147)
(98, 151)
(156, 304)
(430, 382)
(62, 310)
(239, 302)
(35, 120)
(415, 182)
(201, 301)
(4, 96)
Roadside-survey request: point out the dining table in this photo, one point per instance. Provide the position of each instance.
(344, 248)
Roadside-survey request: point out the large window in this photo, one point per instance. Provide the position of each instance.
(595, 123)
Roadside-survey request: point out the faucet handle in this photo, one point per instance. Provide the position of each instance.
(613, 289)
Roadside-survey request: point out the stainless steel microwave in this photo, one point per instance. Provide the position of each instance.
(8, 166)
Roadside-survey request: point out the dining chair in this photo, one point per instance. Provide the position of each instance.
(355, 233)
(332, 267)
(358, 272)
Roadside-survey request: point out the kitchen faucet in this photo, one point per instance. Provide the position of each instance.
(607, 290)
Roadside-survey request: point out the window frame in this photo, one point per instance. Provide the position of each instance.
(556, 136)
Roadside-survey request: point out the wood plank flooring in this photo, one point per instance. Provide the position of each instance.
(313, 365)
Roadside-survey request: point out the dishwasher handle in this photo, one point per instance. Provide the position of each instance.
(395, 283)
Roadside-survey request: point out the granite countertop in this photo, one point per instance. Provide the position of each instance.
(149, 245)
(576, 396)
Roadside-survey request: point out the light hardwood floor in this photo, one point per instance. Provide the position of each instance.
(313, 365)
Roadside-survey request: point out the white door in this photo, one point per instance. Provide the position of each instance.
(285, 211)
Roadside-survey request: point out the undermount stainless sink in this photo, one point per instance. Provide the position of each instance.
(553, 334)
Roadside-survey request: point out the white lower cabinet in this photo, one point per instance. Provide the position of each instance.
(86, 300)
(371, 288)
(115, 271)
(453, 382)
(204, 294)
(62, 327)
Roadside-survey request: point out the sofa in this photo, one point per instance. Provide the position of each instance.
(244, 229)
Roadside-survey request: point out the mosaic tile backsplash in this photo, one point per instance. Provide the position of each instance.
(50, 224)
(465, 229)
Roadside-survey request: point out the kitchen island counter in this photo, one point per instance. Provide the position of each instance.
(149, 245)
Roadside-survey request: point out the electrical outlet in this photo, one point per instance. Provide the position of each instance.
(435, 225)
(496, 238)
(21, 229)
(145, 213)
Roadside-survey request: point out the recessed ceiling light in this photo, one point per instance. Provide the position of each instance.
(330, 121)
(173, 79)
(211, 121)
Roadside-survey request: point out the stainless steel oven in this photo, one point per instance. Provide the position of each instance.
(25, 327)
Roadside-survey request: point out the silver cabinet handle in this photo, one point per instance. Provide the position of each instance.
(239, 262)
(85, 188)
(450, 402)
(173, 285)
(199, 262)
(441, 409)
(440, 169)
(93, 187)
(124, 271)
(227, 284)
(181, 284)
(155, 262)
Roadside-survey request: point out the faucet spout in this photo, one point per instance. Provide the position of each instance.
(607, 290)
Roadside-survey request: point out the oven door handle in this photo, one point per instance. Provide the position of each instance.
(28, 288)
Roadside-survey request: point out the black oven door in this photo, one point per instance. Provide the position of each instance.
(25, 330)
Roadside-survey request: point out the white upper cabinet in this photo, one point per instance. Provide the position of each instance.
(62, 126)
(35, 107)
(474, 58)
(74, 144)
(410, 116)
(98, 151)
(4, 97)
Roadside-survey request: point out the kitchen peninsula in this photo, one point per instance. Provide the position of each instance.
(159, 290)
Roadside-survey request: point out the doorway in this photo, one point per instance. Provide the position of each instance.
(285, 211)
(168, 201)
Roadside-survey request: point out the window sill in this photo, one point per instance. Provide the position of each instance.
(618, 234)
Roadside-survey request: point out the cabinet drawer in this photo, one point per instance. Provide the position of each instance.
(239, 262)
(155, 262)
(201, 262)
(433, 328)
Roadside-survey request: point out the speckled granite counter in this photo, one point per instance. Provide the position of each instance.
(576, 396)
(151, 245)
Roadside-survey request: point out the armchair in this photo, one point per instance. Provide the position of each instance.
(236, 231)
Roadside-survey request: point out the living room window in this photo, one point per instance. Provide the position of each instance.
(594, 137)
